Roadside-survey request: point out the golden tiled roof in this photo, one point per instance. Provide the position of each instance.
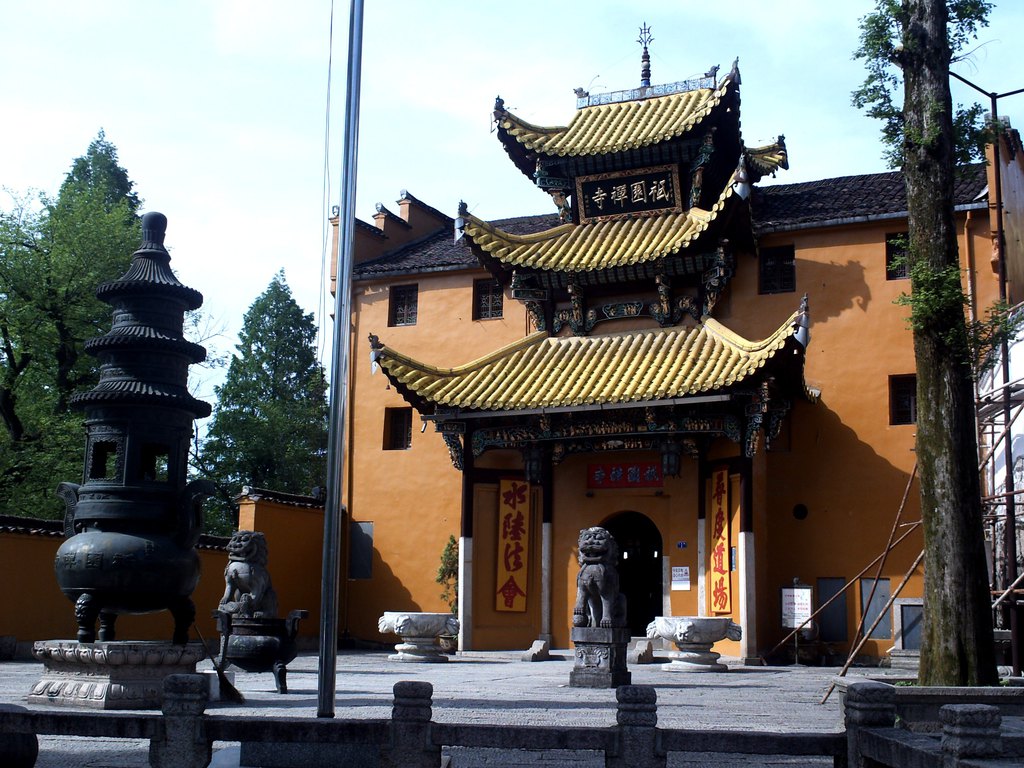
(596, 244)
(540, 371)
(608, 128)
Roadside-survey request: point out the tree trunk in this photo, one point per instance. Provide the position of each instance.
(957, 644)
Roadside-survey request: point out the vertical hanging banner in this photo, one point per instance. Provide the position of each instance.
(513, 545)
(721, 587)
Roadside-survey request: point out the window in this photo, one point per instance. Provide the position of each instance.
(832, 619)
(402, 309)
(896, 256)
(153, 462)
(360, 550)
(777, 269)
(487, 299)
(103, 462)
(879, 594)
(903, 399)
(397, 429)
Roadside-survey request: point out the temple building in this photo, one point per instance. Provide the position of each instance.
(713, 368)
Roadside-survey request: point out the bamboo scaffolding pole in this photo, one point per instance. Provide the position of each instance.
(875, 623)
(911, 527)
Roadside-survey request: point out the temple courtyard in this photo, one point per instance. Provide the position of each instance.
(498, 688)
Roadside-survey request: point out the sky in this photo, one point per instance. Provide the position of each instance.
(229, 115)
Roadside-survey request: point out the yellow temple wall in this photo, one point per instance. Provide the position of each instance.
(295, 537)
(36, 609)
(840, 457)
(413, 496)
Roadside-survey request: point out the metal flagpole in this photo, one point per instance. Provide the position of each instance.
(339, 374)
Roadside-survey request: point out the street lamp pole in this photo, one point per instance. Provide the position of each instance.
(1010, 528)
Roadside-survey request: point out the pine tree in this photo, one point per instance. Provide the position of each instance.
(269, 427)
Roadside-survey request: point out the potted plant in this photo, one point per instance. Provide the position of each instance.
(448, 578)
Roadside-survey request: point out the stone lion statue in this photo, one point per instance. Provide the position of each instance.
(598, 600)
(247, 588)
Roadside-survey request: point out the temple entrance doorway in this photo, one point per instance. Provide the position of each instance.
(640, 570)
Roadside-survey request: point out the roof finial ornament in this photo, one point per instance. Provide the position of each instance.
(645, 39)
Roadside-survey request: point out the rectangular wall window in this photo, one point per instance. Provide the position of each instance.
(903, 399)
(402, 309)
(878, 601)
(832, 620)
(777, 269)
(360, 550)
(896, 256)
(487, 299)
(397, 429)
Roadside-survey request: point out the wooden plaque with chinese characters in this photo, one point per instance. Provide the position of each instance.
(640, 192)
(718, 544)
(513, 545)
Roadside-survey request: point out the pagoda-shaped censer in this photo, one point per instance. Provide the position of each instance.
(133, 523)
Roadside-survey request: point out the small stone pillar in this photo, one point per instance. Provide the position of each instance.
(970, 731)
(19, 750)
(637, 718)
(599, 630)
(868, 705)
(184, 743)
(411, 746)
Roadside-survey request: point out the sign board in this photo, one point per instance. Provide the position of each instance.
(718, 531)
(642, 192)
(513, 545)
(681, 578)
(637, 474)
(796, 606)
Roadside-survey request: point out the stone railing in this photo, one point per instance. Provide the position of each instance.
(181, 737)
(971, 735)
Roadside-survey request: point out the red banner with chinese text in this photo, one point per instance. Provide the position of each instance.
(721, 584)
(513, 545)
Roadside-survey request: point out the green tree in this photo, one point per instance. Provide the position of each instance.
(54, 252)
(269, 426)
(914, 41)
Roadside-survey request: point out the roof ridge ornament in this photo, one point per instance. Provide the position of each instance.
(645, 39)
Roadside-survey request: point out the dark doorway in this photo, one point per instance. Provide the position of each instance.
(640, 574)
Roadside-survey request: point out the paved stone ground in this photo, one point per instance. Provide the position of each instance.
(496, 687)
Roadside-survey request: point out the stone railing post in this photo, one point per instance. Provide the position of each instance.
(183, 743)
(19, 750)
(970, 731)
(868, 705)
(639, 743)
(410, 745)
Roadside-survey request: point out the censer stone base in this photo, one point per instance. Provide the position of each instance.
(111, 675)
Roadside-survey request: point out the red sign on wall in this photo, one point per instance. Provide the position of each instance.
(643, 474)
(513, 545)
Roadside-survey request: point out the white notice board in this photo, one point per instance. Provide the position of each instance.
(681, 577)
(796, 606)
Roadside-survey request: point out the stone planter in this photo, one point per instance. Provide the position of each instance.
(419, 633)
(693, 637)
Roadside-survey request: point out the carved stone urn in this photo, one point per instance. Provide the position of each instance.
(693, 637)
(133, 523)
(419, 633)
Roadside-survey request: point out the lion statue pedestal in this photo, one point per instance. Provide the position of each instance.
(599, 634)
